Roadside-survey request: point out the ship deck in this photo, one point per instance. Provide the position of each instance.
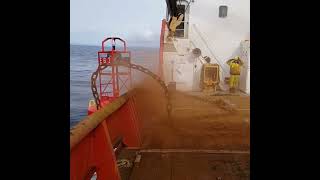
(168, 165)
(201, 140)
(197, 124)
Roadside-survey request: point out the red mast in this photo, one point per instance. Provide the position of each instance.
(113, 80)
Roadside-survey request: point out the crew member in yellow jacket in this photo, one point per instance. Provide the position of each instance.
(235, 68)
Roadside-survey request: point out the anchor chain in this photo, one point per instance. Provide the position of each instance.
(132, 66)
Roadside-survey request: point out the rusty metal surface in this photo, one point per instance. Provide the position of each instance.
(129, 155)
(152, 166)
(208, 151)
(84, 127)
(221, 102)
(193, 166)
(195, 124)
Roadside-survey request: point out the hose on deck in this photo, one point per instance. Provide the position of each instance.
(84, 127)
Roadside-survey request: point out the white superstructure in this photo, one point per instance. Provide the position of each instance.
(220, 38)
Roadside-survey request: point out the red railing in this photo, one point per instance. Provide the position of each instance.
(163, 26)
(92, 139)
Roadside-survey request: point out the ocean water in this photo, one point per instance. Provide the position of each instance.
(83, 62)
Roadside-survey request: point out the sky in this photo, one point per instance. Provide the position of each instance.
(136, 21)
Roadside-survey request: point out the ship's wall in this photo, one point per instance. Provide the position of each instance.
(245, 70)
(223, 35)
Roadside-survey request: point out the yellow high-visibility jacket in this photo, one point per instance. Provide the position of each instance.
(235, 68)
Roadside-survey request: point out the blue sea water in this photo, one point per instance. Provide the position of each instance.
(83, 62)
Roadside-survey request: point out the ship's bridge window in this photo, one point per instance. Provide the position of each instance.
(223, 10)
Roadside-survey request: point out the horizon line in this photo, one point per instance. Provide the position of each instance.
(136, 45)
